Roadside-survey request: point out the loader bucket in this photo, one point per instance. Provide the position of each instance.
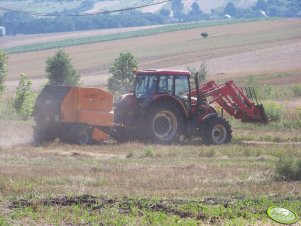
(262, 117)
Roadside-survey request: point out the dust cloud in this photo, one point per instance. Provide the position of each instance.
(15, 132)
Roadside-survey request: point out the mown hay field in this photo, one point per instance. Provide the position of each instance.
(138, 183)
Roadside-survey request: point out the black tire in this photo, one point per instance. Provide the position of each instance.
(217, 131)
(165, 123)
(81, 135)
(41, 136)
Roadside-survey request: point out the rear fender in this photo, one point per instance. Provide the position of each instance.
(208, 117)
(203, 122)
(171, 99)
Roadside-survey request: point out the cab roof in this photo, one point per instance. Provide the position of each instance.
(163, 72)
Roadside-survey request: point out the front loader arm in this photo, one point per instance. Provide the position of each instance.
(233, 100)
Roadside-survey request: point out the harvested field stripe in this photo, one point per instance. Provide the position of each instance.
(117, 36)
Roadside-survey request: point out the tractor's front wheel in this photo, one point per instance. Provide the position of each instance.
(165, 123)
(217, 131)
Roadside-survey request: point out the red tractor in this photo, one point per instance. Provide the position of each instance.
(164, 109)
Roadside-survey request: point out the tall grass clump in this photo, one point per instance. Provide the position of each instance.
(271, 92)
(7, 110)
(296, 90)
(288, 168)
(274, 111)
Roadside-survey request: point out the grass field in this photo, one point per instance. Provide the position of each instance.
(148, 184)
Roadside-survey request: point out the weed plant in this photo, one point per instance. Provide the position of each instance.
(7, 110)
(288, 168)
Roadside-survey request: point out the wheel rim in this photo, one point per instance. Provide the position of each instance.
(219, 134)
(165, 125)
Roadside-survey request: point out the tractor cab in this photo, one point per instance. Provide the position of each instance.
(151, 84)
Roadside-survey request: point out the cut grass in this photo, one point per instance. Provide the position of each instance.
(145, 184)
(170, 171)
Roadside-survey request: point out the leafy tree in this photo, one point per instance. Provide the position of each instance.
(123, 76)
(177, 8)
(202, 72)
(195, 12)
(165, 12)
(230, 9)
(60, 70)
(261, 5)
(25, 98)
(3, 70)
(274, 11)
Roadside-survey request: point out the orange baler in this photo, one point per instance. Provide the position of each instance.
(73, 114)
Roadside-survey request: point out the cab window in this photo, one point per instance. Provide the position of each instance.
(166, 84)
(181, 86)
(145, 86)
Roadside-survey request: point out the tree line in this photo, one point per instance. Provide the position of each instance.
(269, 8)
(18, 23)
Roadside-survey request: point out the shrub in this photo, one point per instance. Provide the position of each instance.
(202, 71)
(123, 74)
(296, 91)
(25, 98)
(273, 111)
(60, 70)
(204, 34)
(288, 168)
(148, 152)
(7, 110)
(3, 70)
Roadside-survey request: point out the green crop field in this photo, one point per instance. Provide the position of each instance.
(112, 37)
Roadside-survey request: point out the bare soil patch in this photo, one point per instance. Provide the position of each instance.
(292, 79)
(242, 49)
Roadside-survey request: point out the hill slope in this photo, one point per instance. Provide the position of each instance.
(47, 6)
(230, 51)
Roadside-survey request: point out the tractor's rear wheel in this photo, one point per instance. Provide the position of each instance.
(165, 123)
(217, 131)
